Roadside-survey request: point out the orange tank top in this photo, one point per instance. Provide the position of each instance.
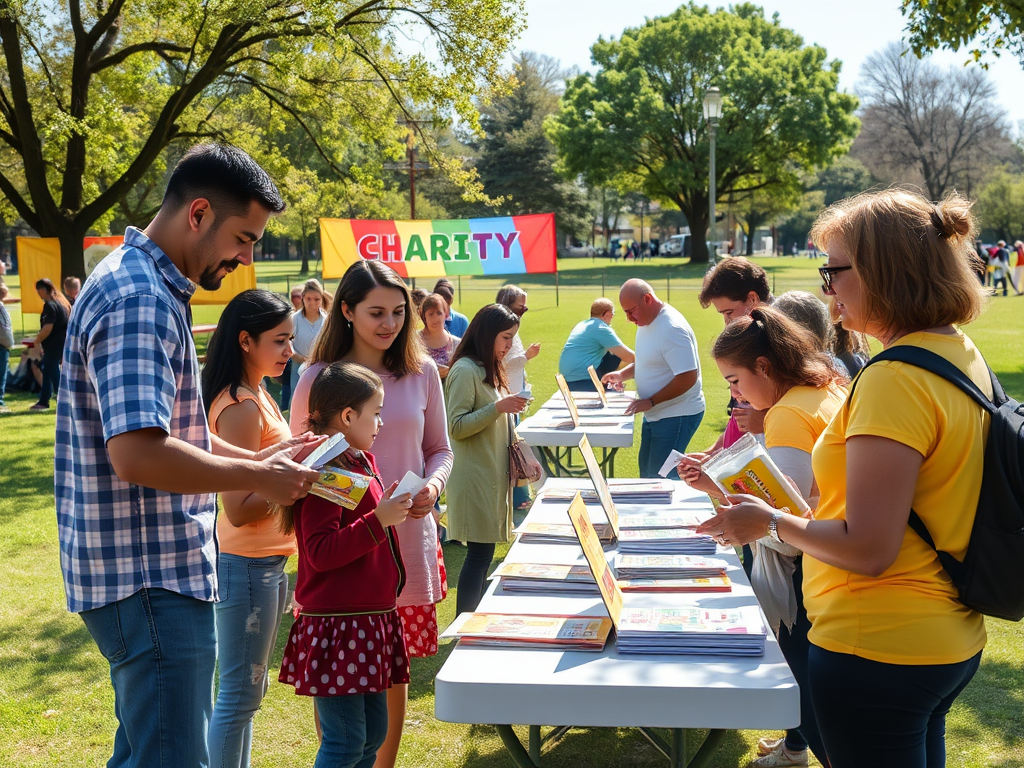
(262, 538)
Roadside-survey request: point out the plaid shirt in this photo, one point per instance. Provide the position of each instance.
(130, 363)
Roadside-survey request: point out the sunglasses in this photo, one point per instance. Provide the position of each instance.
(826, 277)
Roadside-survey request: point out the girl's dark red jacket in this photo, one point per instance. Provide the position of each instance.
(348, 561)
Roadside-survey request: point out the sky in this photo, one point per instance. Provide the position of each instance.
(849, 30)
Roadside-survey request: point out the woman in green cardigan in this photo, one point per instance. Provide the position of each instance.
(480, 427)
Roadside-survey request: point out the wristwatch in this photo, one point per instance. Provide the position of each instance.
(773, 526)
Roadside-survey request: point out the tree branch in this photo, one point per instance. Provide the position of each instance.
(20, 204)
(118, 57)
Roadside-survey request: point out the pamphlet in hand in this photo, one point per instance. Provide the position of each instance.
(326, 452)
(411, 484)
(670, 463)
(746, 467)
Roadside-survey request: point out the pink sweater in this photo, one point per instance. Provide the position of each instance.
(414, 438)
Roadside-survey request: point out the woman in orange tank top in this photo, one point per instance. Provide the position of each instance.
(252, 340)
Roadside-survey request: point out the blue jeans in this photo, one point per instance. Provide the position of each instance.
(161, 647)
(253, 592)
(608, 364)
(5, 364)
(659, 438)
(354, 727)
(51, 375)
(874, 714)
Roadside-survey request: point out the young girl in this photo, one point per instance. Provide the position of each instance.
(347, 649)
(252, 340)
(778, 366)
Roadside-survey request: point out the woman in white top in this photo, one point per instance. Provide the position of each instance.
(308, 322)
(514, 297)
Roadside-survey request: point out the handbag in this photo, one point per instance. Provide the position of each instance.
(518, 458)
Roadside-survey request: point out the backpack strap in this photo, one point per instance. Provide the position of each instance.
(940, 366)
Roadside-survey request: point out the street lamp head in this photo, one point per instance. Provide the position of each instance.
(712, 104)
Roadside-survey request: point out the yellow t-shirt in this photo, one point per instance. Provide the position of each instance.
(801, 415)
(910, 614)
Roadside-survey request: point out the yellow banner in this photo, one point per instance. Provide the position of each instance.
(38, 257)
(242, 279)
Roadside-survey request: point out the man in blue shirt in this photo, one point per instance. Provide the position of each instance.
(455, 323)
(135, 466)
(593, 342)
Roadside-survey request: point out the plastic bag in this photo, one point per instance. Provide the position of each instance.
(746, 467)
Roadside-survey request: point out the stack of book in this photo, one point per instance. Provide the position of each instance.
(665, 541)
(563, 633)
(623, 491)
(535, 579)
(557, 533)
(676, 520)
(700, 631)
(668, 567)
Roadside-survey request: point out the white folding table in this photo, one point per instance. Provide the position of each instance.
(565, 689)
(606, 428)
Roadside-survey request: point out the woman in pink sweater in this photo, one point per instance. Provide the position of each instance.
(370, 323)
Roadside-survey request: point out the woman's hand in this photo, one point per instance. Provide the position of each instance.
(532, 351)
(743, 519)
(690, 472)
(534, 471)
(423, 502)
(392, 511)
(511, 404)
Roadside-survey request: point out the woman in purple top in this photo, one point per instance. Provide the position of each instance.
(370, 324)
(439, 343)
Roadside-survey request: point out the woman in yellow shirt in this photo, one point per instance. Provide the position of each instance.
(778, 366)
(891, 645)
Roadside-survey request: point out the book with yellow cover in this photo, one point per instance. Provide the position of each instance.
(577, 633)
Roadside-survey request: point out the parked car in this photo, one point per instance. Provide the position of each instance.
(677, 245)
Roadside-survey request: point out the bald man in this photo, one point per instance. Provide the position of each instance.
(667, 373)
(593, 342)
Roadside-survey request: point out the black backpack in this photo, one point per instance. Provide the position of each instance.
(990, 579)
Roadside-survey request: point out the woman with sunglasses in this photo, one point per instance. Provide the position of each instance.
(891, 645)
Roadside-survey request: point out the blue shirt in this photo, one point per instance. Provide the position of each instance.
(129, 364)
(587, 345)
(456, 324)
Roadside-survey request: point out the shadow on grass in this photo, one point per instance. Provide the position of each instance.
(1013, 383)
(995, 697)
(600, 746)
(53, 653)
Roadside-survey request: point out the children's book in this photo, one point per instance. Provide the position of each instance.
(567, 633)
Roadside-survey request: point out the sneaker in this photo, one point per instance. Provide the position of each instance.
(768, 744)
(39, 407)
(779, 756)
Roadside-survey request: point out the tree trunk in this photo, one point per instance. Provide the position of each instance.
(304, 245)
(72, 255)
(697, 216)
(750, 242)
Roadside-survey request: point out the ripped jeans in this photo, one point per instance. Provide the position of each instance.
(253, 591)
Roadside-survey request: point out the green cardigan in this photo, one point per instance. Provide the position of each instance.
(479, 493)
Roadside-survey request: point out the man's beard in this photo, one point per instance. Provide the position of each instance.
(209, 279)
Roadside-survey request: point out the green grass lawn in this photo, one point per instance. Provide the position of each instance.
(56, 704)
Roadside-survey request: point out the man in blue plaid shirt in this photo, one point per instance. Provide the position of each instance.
(135, 467)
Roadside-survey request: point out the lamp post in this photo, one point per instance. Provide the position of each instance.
(712, 112)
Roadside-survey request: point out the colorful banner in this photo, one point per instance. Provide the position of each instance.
(506, 245)
(39, 257)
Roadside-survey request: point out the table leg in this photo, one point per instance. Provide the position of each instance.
(676, 750)
(535, 744)
(519, 755)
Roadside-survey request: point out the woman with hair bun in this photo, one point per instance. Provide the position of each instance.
(892, 646)
(777, 365)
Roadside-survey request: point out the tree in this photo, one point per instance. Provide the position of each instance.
(846, 177)
(641, 115)
(953, 24)
(92, 94)
(1001, 205)
(514, 158)
(765, 204)
(940, 126)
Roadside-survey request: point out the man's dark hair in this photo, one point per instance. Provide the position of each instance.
(444, 288)
(224, 175)
(734, 279)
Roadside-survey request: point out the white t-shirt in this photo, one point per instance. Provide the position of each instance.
(515, 366)
(665, 349)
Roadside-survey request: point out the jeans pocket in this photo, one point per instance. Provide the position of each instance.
(104, 624)
(224, 575)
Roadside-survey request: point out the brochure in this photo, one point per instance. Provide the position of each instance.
(341, 486)
(746, 467)
(601, 392)
(579, 633)
(326, 452)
